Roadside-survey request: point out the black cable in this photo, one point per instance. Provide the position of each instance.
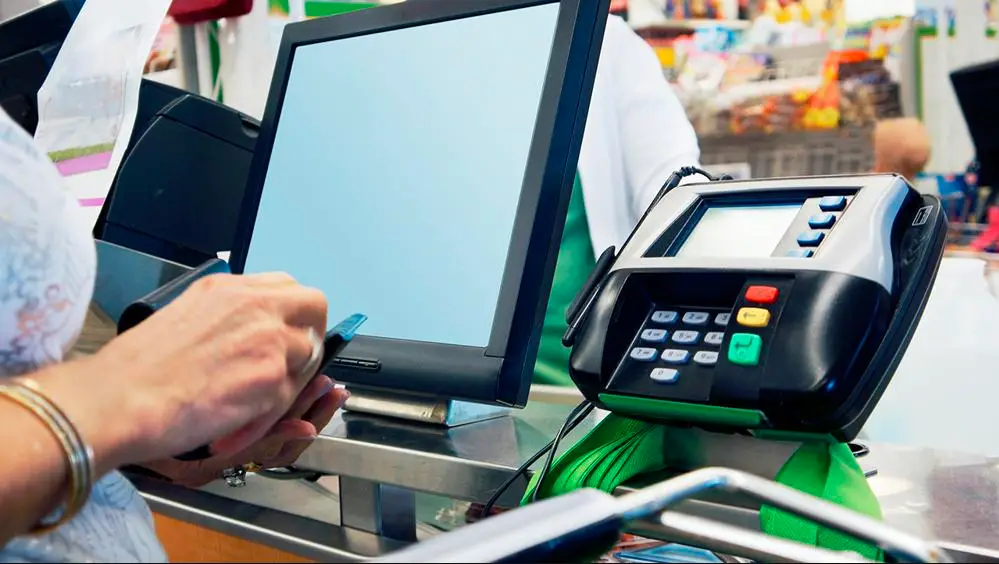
(671, 182)
(674, 180)
(574, 418)
(584, 409)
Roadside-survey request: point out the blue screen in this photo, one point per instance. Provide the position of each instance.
(397, 167)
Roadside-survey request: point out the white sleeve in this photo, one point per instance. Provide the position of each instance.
(656, 136)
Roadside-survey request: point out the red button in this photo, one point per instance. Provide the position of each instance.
(761, 294)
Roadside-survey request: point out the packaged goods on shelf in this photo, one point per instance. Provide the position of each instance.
(701, 9)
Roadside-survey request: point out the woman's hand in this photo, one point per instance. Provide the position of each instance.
(221, 364)
(280, 447)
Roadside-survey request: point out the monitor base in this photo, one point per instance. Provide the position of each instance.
(435, 411)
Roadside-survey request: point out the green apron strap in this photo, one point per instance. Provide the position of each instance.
(619, 448)
(828, 471)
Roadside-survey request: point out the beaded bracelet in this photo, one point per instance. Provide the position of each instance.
(79, 456)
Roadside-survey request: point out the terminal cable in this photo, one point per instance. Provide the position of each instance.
(575, 417)
(674, 180)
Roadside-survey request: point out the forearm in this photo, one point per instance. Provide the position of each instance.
(35, 480)
(36, 472)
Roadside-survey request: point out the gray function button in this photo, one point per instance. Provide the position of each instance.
(695, 318)
(686, 337)
(676, 356)
(665, 317)
(722, 318)
(644, 354)
(706, 358)
(654, 335)
(714, 338)
(664, 375)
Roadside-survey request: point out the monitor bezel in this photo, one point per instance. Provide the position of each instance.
(500, 372)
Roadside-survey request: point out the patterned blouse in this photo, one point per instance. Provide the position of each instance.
(47, 267)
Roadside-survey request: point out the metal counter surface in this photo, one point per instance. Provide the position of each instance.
(947, 496)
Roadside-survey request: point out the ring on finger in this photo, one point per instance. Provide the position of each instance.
(315, 357)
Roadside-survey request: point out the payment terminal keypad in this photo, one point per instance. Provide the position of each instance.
(678, 352)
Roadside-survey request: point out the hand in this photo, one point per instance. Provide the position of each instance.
(225, 359)
(280, 447)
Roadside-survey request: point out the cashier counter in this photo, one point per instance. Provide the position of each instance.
(391, 481)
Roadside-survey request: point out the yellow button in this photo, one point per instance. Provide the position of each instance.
(753, 317)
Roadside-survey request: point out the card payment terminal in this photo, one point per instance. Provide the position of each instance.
(769, 306)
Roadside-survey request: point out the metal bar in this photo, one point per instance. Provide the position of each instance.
(188, 47)
(727, 539)
(661, 496)
(386, 511)
(305, 537)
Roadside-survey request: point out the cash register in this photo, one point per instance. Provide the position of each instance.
(777, 307)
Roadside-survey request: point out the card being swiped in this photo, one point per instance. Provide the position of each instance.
(335, 341)
(339, 336)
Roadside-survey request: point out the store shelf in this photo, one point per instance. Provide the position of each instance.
(686, 25)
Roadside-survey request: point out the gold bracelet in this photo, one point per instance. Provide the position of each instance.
(27, 394)
(82, 457)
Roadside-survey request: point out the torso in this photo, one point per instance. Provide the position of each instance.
(48, 266)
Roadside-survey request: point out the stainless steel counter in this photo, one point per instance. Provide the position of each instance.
(951, 497)
(940, 399)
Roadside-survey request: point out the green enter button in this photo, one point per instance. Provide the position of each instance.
(744, 349)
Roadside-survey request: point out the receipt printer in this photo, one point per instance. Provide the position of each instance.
(778, 307)
(180, 186)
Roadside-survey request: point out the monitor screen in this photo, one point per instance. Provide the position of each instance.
(396, 171)
(739, 231)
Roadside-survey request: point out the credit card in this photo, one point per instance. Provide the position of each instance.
(339, 337)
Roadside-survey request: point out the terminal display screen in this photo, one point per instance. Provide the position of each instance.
(739, 231)
(397, 167)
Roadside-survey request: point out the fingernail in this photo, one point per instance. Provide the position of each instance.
(328, 385)
(343, 398)
(307, 438)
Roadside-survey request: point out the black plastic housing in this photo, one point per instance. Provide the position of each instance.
(830, 349)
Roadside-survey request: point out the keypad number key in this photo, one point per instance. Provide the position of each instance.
(644, 354)
(706, 358)
(676, 356)
(714, 338)
(664, 317)
(695, 318)
(722, 319)
(654, 335)
(664, 375)
(686, 337)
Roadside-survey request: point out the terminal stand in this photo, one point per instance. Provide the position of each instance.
(386, 510)
(433, 411)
